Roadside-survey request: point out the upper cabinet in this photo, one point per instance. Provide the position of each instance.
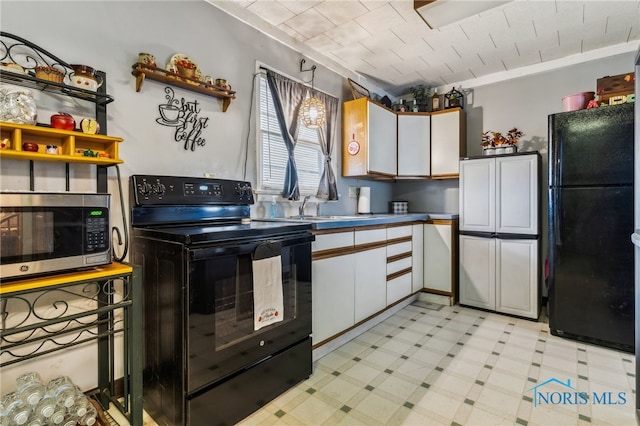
(369, 140)
(448, 142)
(500, 194)
(380, 144)
(414, 145)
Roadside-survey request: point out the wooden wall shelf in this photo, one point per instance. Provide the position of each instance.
(69, 144)
(142, 71)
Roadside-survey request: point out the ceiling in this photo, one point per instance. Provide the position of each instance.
(389, 44)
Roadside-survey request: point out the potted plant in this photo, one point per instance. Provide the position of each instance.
(421, 96)
(497, 143)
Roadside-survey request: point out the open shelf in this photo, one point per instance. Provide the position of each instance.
(142, 71)
(71, 145)
(31, 82)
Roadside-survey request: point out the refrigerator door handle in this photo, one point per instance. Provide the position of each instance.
(557, 220)
(555, 163)
(635, 238)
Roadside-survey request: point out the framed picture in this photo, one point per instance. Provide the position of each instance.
(358, 91)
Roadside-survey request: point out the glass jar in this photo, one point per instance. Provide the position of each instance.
(17, 105)
(16, 411)
(30, 387)
(63, 390)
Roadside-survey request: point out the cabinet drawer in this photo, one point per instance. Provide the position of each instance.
(332, 241)
(398, 288)
(398, 265)
(399, 231)
(370, 236)
(396, 249)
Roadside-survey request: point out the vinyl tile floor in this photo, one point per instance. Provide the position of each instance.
(450, 365)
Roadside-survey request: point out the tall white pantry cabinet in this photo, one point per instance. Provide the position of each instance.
(499, 238)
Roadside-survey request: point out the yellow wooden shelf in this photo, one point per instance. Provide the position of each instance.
(71, 145)
(142, 71)
(96, 273)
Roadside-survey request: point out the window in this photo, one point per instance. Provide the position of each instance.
(272, 153)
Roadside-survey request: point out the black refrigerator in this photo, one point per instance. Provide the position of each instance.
(591, 270)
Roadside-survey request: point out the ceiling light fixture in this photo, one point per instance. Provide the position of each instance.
(438, 13)
(312, 110)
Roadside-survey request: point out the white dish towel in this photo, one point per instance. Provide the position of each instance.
(268, 303)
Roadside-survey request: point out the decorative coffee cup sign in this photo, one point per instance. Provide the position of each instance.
(184, 116)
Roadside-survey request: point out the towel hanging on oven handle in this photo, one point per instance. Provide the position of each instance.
(266, 250)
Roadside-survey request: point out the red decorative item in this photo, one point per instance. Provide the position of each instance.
(592, 104)
(63, 121)
(30, 147)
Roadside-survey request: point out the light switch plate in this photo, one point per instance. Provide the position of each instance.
(353, 192)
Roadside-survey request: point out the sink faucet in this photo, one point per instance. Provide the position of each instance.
(305, 200)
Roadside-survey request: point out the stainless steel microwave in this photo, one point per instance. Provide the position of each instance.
(45, 232)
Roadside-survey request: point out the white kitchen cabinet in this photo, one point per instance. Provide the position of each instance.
(441, 257)
(500, 194)
(417, 266)
(500, 275)
(499, 233)
(478, 271)
(369, 140)
(333, 284)
(517, 277)
(517, 194)
(370, 273)
(414, 144)
(477, 195)
(399, 262)
(448, 142)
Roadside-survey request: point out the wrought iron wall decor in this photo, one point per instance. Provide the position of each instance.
(184, 116)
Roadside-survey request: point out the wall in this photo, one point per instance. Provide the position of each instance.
(109, 35)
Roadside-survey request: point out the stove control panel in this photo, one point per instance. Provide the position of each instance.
(182, 190)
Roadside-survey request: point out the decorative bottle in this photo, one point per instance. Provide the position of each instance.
(435, 100)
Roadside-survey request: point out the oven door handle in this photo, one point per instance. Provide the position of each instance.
(246, 247)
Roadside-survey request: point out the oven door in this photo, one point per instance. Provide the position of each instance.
(221, 335)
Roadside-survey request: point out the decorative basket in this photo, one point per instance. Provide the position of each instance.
(49, 74)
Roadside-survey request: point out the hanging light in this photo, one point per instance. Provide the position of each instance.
(312, 110)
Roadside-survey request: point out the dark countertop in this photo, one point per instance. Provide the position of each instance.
(349, 221)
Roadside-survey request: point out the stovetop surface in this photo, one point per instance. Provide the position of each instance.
(213, 232)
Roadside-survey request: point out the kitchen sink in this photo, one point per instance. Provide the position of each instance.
(336, 217)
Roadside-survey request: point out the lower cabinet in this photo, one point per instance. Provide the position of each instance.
(399, 263)
(357, 274)
(441, 257)
(517, 274)
(417, 260)
(370, 270)
(500, 274)
(333, 295)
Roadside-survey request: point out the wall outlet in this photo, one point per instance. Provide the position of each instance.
(353, 192)
(209, 174)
